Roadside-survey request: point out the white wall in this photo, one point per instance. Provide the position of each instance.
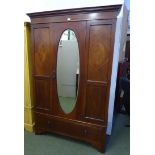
(127, 3)
(46, 5)
(120, 39)
(124, 28)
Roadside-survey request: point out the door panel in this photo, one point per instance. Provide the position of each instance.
(99, 46)
(42, 58)
(57, 29)
(42, 67)
(42, 88)
(95, 99)
(99, 58)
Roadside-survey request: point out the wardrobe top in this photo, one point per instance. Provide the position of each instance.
(109, 8)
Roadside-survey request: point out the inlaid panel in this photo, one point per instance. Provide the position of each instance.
(42, 89)
(99, 40)
(42, 58)
(99, 46)
(95, 102)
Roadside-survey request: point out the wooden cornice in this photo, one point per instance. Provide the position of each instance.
(75, 11)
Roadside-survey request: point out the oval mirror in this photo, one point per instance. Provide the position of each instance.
(68, 71)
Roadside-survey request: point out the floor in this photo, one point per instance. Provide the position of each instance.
(50, 144)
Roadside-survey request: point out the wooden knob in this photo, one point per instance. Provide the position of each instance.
(85, 131)
(54, 75)
(49, 124)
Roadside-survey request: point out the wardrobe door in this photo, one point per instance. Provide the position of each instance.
(42, 66)
(57, 30)
(100, 35)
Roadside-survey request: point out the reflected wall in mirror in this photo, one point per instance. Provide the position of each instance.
(68, 70)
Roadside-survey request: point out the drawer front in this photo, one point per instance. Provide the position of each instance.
(60, 126)
(67, 128)
(79, 130)
(94, 134)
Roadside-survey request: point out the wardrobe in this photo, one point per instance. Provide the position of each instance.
(93, 33)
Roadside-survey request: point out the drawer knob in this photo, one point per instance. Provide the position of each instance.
(54, 75)
(49, 124)
(85, 131)
(68, 19)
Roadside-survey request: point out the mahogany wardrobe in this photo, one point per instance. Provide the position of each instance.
(94, 30)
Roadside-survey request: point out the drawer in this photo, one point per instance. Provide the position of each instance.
(60, 126)
(94, 133)
(68, 128)
(79, 130)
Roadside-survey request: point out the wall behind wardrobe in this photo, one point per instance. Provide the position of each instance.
(48, 5)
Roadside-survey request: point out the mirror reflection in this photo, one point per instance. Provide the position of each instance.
(68, 70)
